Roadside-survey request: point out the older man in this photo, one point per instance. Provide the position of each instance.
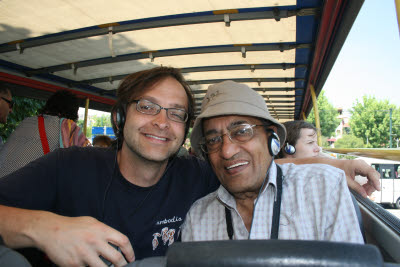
(259, 199)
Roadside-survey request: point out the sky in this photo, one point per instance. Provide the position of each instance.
(369, 62)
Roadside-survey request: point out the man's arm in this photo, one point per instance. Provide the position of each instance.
(67, 241)
(351, 169)
(340, 216)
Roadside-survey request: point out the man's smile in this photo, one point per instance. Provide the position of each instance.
(156, 137)
(236, 165)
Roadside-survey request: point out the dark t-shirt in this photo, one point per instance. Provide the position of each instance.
(87, 182)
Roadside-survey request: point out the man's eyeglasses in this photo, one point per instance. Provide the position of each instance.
(147, 107)
(240, 133)
(10, 102)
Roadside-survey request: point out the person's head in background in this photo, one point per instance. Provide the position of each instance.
(6, 104)
(102, 141)
(301, 140)
(62, 104)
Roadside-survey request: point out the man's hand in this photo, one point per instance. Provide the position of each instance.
(351, 169)
(360, 167)
(67, 241)
(80, 241)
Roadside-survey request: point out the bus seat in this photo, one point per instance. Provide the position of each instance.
(11, 258)
(358, 213)
(272, 253)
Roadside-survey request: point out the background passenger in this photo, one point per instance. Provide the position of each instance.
(6, 105)
(35, 136)
(301, 140)
(102, 141)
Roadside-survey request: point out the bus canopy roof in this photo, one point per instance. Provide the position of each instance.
(279, 48)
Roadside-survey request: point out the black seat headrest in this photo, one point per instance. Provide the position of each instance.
(272, 253)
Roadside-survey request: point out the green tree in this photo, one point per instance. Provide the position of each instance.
(23, 108)
(103, 120)
(327, 115)
(349, 141)
(88, 129)
(95, 121)
(370, 121)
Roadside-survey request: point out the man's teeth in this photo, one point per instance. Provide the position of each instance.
(237, 165)
(156, 137)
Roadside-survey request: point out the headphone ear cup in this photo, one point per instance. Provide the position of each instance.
(289, 149)
(274, 145)
(120, 117)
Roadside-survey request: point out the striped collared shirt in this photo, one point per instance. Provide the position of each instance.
(316, 205)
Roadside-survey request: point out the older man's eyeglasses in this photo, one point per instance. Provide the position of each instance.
(9, 102)
(147, 107)
(239, 134)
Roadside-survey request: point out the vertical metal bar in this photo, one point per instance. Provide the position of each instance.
(315, 105)
(390, 127)
(86, 115)
(304, 116)
(397, 4)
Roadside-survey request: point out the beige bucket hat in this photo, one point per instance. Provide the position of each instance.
(231, 98)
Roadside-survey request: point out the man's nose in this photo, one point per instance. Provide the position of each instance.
(317, 148)
(161, 119)
(228, 148)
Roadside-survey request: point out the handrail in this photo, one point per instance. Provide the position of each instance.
(379, 153)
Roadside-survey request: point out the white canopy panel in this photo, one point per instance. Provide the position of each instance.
(89, 46)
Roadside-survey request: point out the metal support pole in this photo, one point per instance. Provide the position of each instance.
(390, 127)
(397, 4)
(316, 113)
(304, 116)
(86, 115)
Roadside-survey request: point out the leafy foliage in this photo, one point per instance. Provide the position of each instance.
(95, 121)
(370, 121)
(325, 142)
(349, 141)
(103, 120)
(327, 115)
(23, 108)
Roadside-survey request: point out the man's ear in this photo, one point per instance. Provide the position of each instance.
(273, 127)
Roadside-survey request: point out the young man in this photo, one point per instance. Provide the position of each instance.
(301, 140)
(259, 199)
(72, 203)
(135, 197)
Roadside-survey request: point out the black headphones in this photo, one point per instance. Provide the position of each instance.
(289, 149)
(274, 145)
(120, 118)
